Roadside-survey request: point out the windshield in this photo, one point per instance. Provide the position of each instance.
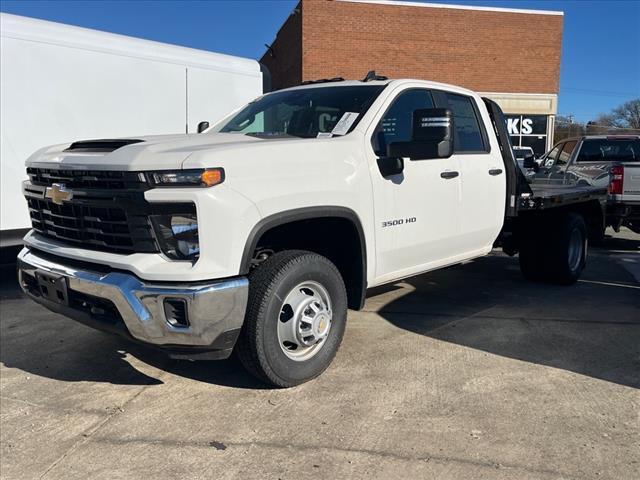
(622, 150)
(305, 112)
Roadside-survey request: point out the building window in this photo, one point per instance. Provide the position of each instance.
(528, 131)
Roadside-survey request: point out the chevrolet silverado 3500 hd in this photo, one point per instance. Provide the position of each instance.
(259, 233)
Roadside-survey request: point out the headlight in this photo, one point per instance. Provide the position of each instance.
(187, 178)
(177, 235)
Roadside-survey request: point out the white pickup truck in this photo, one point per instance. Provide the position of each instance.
(257, 234)
(611, 161)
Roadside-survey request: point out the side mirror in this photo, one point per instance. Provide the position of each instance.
(390, 166)
(530, 162)
(202, 126)
(431, 136)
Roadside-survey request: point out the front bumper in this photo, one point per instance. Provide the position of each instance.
(122, 303)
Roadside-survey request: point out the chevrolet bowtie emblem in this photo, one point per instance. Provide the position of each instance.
(58, 193)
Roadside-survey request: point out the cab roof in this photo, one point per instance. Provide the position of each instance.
(398, 81)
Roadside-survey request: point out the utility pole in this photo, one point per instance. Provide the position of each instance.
(570, 117)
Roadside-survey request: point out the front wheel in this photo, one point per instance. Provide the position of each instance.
(295, 320)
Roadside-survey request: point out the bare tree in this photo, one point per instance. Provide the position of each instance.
(626, 115)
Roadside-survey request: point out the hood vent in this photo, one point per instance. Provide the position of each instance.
(100, 145)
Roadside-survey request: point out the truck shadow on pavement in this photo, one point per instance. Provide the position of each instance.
(39, 342)
(591, 328)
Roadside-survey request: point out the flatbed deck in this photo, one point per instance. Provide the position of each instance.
(547, 195)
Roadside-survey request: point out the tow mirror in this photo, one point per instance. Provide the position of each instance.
(431, 136)
(202, 126)
(390, 166)
(530, 163)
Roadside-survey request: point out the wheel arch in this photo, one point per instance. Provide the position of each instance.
(355, 277)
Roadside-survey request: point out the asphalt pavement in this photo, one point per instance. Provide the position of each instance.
(470, 372)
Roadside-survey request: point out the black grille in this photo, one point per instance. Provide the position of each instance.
(106, 228)
(88, 178)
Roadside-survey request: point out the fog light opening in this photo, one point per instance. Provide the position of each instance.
(177, 235)
(175, 312)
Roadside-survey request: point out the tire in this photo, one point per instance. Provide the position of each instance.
(272, 344)
(531, 260)
(598, 238)
(531, 256)
(555, 251)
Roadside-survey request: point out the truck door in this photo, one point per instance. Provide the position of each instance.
(416, 211)
(482, 174)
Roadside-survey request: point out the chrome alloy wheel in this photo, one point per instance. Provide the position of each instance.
(305, 321)
(576, 249)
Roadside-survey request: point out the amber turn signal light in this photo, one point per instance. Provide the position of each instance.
(212, 177)
(194, 177)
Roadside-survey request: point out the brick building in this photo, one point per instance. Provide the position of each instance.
(511, 55)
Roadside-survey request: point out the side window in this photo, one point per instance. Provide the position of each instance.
(396, 124)
(551, 158)
(467, 136)
(565, 155)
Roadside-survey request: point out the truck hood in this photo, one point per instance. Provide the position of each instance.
(159, 152)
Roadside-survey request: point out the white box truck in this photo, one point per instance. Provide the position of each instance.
(61, 83)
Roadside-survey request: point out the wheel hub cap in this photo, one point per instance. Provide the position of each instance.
(576, 247)
(305, 321)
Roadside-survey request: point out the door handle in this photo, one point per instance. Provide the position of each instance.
(495, 171)
(449, 174)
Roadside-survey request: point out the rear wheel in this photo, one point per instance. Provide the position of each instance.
(295, 318)
(555, 251)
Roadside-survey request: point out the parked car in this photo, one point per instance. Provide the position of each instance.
(260, 232)
(520, 153)
(611, 161)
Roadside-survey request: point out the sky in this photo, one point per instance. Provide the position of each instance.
(600, 53)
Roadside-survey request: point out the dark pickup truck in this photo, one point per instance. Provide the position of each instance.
(611, 161)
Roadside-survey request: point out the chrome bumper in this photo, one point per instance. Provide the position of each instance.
(213, 309)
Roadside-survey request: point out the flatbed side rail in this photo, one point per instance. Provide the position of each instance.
(544, 199)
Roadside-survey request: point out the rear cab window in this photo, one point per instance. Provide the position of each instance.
(610, 149)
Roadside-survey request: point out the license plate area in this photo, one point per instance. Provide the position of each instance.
(53, 287)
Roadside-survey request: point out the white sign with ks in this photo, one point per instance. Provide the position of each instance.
(516, 127)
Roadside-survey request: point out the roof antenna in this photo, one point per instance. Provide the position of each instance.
(371, 75)
(270, 50)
